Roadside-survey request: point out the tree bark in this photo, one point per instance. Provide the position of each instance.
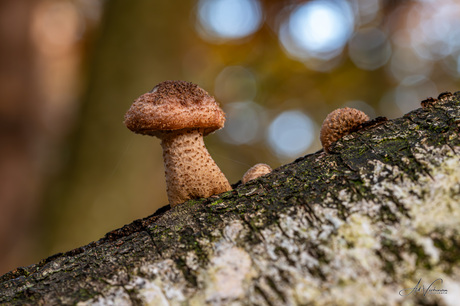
(377, 215)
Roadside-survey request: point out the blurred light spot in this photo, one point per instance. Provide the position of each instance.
(367, 10)
(401, 38)
(291, 133)
(405, 63)
(320, 26)
(451, 64)
(228, 19)
(235, 83)
(318, 29)
(369, 49)
(435, 28)
(243, 125)
(362, 106)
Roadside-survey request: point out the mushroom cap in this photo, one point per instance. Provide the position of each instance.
(172, 106)
(339, 123)
(256, 171)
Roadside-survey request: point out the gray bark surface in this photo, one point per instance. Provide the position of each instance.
(354, 227)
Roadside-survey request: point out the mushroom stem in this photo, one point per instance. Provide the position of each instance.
(190, 170)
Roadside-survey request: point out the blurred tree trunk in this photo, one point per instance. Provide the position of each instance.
(19, 129)
(357, 227)
(39, 57)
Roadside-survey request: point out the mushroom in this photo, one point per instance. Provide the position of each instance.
(444, 95)
(428, 102)
(432, 101)
(256, 171)
(339, 123)
(180, 113)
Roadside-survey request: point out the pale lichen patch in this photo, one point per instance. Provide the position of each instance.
(156, 284)
(147, 292)
(228, 271)
(375, 258)
(166, 276)
(233, 231)
(453, 287)
(191, 260)
(113, 296)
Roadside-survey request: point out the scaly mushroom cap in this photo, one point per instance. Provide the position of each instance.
(339, 123)
(256, 171)
(174, 105)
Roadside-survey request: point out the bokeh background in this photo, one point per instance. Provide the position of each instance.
(69, 69)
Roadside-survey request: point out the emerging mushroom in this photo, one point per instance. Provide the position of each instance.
(256, 171)
(428, 102)
(444, 95)
(180, 113)
(339, 123)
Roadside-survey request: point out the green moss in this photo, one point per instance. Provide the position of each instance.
(422, 259)
(85, 294)
(217, 202)
(450, 252)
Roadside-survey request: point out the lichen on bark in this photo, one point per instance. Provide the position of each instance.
(353, 227)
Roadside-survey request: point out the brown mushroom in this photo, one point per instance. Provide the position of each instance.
(339, 123)
(256, 171)
(180, 113)
(444, 95)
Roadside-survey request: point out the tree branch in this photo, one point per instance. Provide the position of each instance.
(356, 226)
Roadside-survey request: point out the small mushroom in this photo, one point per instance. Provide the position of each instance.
(339, 123)
(444, 95)
(256, 171)
(180, 113)
(428, 102)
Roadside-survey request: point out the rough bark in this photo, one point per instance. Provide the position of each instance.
(353, 227)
